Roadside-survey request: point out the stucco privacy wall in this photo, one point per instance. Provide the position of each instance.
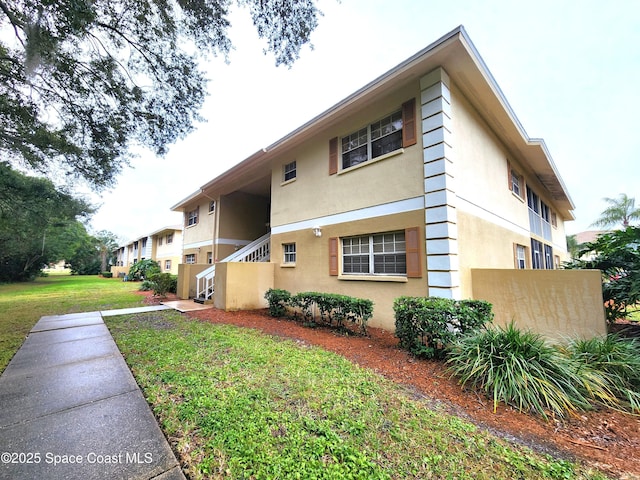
(558, 304)
(187, 281)
(242, 285)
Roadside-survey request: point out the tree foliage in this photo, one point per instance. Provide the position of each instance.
(617, 255)
(620, 212)
(143, 269)
(81, 81)
(34, 217)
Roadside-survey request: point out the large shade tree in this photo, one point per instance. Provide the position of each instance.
(35, 217)
(620, 212)
(83, 80)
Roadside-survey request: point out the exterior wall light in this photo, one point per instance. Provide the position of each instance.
(317, 231)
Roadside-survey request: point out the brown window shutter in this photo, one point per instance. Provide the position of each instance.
(412, 242)
(333, 256)
(409, 136)
(509, 179)
(333, 156)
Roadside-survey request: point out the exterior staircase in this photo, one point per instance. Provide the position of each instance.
(257, 251)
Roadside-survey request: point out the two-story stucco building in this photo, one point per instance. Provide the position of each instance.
(406, 187)
(163, 245)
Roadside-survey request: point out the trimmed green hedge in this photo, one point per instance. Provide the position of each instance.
(333, 309)
(426, 326)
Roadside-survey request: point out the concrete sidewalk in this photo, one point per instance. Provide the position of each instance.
(71, 409)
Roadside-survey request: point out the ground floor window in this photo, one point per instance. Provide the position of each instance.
(167, 264)
(190, 258)
(289, 252)
(378, 254)
(521, 256)
(541, 255)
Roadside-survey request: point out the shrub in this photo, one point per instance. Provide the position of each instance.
(143, 269)
(107, 274)
(617, 360)
(278, 300)
(163, 283)
(519, 369)
(334, 309)
(426, 326)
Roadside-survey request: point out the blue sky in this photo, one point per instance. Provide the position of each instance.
(569, 69)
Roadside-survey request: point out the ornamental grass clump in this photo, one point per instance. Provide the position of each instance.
(617, 360)
(518, 368)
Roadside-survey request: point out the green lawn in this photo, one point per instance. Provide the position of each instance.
(236, 403)
(241, 404)
(22, 304)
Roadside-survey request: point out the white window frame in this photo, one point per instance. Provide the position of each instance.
(212, 206)
(169, 238)
(516, 181)
(289, 253)
(521, 257)
(190, 258)
(539, 215)
(167, 264)
(366, 245)
(289, 172)
(192, 217)
(382, 128)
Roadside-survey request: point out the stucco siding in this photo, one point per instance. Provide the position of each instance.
(311, 270)
(315, 193)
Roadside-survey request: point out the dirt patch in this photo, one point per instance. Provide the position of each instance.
(604, 439)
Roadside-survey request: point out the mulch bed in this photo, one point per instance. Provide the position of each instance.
(605, 439)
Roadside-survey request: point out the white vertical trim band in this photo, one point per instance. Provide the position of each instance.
(439, 193)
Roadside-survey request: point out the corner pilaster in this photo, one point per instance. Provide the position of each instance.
(439, 193)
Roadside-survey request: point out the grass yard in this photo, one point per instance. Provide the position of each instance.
(236, 403)
(22, 304)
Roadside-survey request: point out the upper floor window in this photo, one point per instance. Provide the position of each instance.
(289, 171)
(192, 217)
(212, 206)
(170, 238)
(539, 215)
(160, 239)
(375, 140)
(144, 243)
(190, 258)
(386, 135)
(516, 182)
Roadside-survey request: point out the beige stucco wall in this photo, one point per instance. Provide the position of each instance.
(481, 179)
(558, 304)
(311, 271)
(198, 238)
(242, 285)
(168, 251)
(243, 218)
(187, 287)
(117, 271)
(484, 244)
(314, 193)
